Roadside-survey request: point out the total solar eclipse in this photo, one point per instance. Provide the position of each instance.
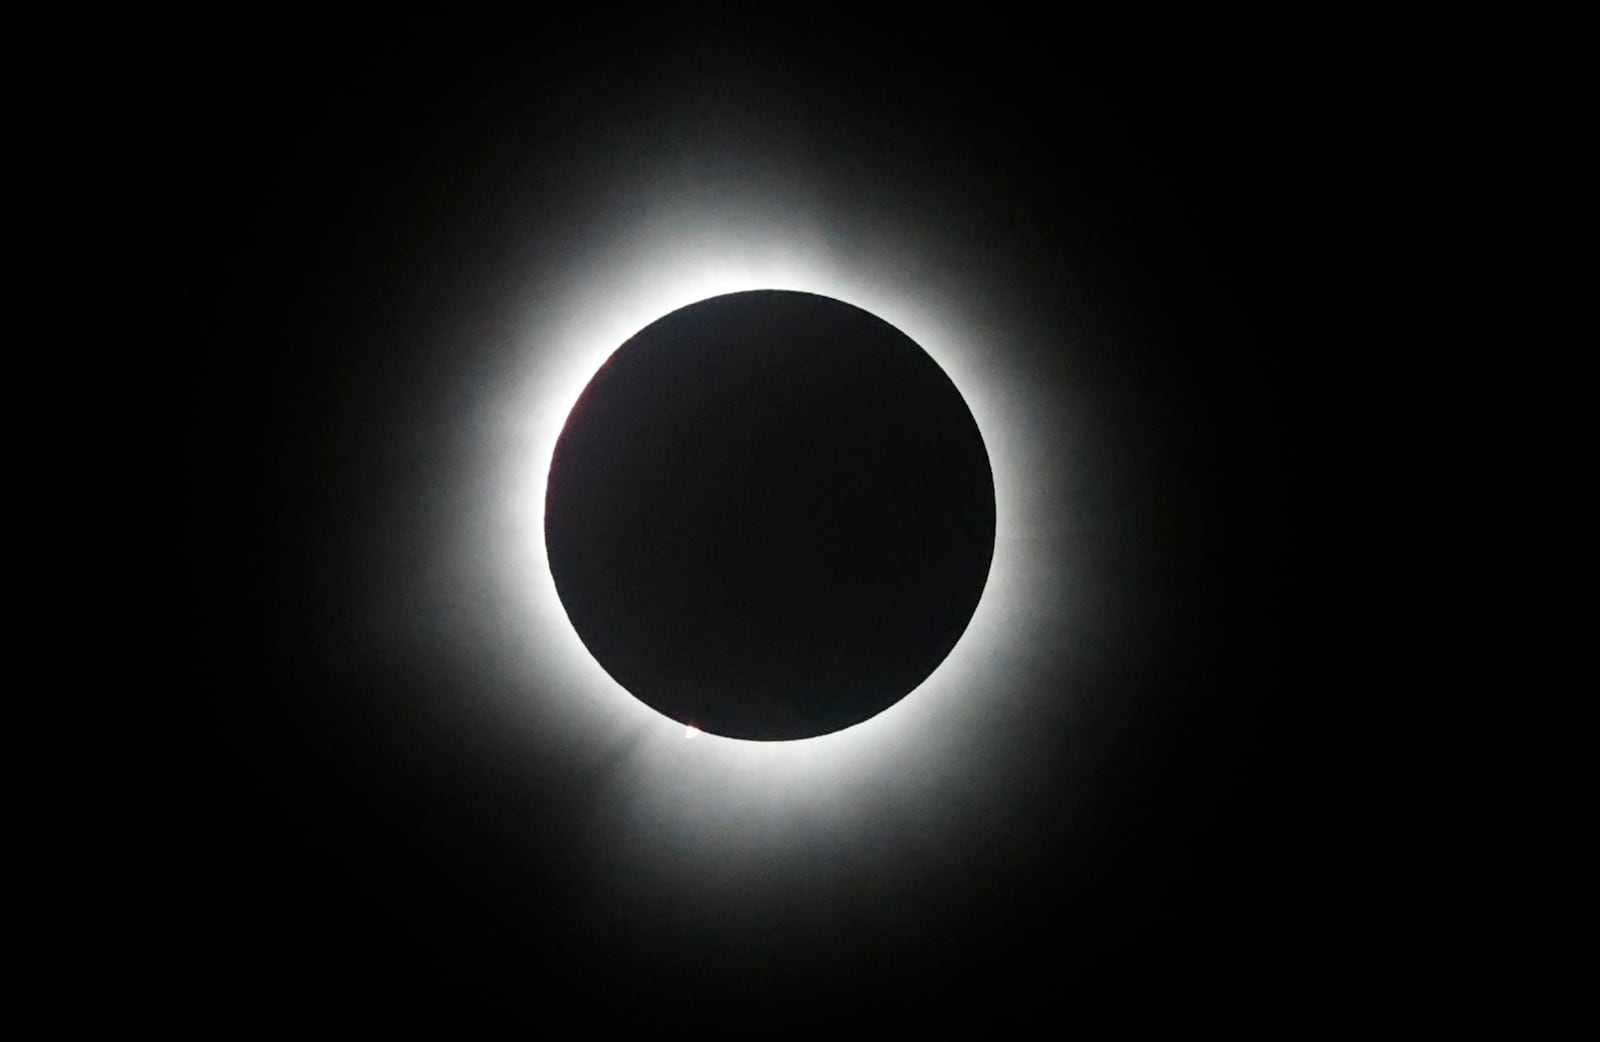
(770, 515)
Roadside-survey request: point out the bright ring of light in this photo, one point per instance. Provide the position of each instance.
(715, 786)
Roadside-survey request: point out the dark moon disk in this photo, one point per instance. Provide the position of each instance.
(770, 515)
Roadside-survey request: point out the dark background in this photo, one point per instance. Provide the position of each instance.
(290, 230)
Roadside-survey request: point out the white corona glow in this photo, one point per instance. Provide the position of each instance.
(722, 791)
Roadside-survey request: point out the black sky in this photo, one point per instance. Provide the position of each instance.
(305, 246)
